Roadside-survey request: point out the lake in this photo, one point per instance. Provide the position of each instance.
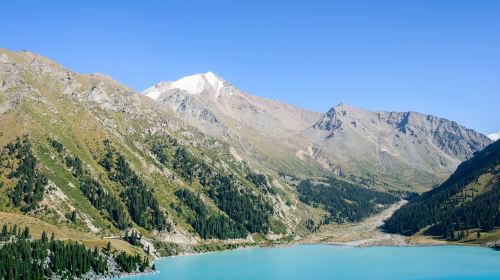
(316, 262)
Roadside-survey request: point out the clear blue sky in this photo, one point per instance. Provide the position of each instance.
(437, 57)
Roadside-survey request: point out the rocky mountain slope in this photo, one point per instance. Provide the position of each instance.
(197, 164)
(87, 158)
(208, 98)
(389, 149)
(87, 154)
(256, 128)
(466, 207)
(393, 147)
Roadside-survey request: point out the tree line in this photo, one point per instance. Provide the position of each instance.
(142, 204)
(100, 197)
(207, 224)
(345, 202)
(446, 210)
(22, 257)
(30, 180)
(247, 209)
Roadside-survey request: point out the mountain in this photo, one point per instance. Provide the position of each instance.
(462, 208)
(494, 136)
(207, 97)
(257, 128)
(193, 165)
(396, 147)
(408, 150)
(86, 157)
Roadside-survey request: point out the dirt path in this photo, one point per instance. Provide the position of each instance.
(365, 233)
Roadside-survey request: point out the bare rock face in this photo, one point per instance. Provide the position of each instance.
(400, 149)
(394, 145)
(211, 102)
(41, 98)
(256, 127)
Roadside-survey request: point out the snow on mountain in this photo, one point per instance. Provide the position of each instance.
(195, 84)
(216, 107)
(388, 147)
(494, 136)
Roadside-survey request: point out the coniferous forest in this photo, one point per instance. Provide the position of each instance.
(450, 210)
(346, 202)
(31, 182)
(26, 258)
(260, 182)
(209, 224)
(101, 198)
(142, 204)
(250, 211)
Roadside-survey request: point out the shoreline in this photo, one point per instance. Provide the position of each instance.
(329, 243)
(364, 234)
(295, 243)
(132, 274)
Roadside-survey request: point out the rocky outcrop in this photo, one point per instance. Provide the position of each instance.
(407, 145)
(400, 149)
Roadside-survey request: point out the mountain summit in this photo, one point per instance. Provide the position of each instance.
(396, 146)
(200, 159)
(196, 84)
(213, 105)
(384, 148)
(122, 169)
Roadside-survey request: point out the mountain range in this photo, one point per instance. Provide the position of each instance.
(400, 150)
(198, 164)
(465, 205)
(109, 159)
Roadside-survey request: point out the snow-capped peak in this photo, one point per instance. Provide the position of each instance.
(494, 136)
(194, 84)
(215, 82)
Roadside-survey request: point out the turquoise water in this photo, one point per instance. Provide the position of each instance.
(317, 262)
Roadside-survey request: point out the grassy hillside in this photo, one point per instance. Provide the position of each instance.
(106, 160)
(86, 158)
(466, 205)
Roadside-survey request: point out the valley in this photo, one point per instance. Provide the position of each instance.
(198, 165)
(364, 233)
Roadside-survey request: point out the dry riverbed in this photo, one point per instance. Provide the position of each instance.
(366, 233)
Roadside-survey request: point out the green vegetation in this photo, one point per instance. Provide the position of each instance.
(446, 210)
(311, 226)
(129, 263)
(260, 182)
(31, 182)
(166, 249)
(98, 196)
(142, 204)
(206, 224)
(134, 238)
(214, 247)
(247, 209)
(103, 200)
(22, 257)
(344, 201)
